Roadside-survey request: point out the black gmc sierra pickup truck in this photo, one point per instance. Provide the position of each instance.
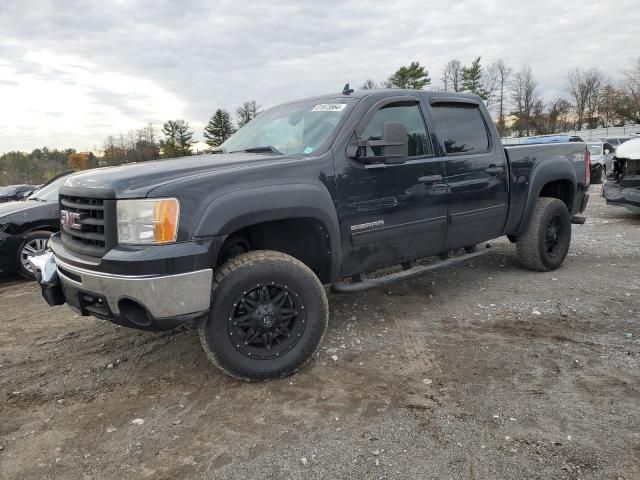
(313, 192)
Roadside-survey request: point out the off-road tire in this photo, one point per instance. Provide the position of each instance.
(532, 246)
(234, 279)
(29, 237)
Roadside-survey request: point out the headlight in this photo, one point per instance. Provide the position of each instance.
(148, 221)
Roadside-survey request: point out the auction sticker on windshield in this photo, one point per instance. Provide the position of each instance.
(329, 107)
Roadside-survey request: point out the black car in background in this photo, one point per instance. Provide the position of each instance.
(25, 227)
(15, 192)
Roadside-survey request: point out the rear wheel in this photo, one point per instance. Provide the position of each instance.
(269, 314)
(35, 243)
(545, 244)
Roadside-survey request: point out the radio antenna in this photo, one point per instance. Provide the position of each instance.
(346, 90)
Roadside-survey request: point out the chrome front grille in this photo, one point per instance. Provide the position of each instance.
(83, 223)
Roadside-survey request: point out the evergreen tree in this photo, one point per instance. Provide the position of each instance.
(178, 139)
(472, 79)
(414, 76)
(219, 128)
(247, 112)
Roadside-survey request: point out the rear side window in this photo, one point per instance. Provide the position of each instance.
(461, 128)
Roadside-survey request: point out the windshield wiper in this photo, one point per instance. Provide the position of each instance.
(265, 149)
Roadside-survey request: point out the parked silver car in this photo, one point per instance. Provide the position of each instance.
(601, 154)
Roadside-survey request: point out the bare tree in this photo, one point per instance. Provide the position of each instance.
(629, 108)
(596, 82)
(559, 111)
(523, 94)
(247, 112)
(490, 85)
(584, 87)
(502, 74)
(551, 117)
(452, 76)
(368, 85)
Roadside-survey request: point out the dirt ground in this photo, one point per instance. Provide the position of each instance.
(482, 371)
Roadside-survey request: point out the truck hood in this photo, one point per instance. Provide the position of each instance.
(136, 180)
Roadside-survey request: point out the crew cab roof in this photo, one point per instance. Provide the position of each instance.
(391, 92)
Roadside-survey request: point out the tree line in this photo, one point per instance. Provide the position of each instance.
(589, 99)
(175, 139)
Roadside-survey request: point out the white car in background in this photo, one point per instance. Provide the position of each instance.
(623, 185)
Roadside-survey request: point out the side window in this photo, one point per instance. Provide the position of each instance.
(410, 116)
(461, 128)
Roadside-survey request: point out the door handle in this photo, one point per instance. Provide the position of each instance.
(430, 178)
(494, 169)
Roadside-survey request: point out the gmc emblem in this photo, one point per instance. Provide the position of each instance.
(70, 219)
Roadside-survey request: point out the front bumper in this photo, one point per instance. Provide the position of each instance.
(162, 296)
(622, 197)
(148, 301)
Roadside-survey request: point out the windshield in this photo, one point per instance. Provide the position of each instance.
(595, 149)
(292, 129)
(49, 193)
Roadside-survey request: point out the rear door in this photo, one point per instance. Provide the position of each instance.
(475, 170)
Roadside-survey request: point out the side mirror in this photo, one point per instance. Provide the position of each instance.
(396, 148)
(394, 145)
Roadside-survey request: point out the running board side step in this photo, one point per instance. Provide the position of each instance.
(409, 270)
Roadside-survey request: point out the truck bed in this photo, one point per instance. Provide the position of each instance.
(525, 160)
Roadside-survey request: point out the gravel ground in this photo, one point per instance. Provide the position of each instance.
(482, 371)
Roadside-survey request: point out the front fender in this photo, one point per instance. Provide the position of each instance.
(237, 209)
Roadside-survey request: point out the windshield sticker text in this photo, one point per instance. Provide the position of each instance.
(329, 107)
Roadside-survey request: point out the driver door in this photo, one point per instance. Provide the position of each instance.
(392, 213)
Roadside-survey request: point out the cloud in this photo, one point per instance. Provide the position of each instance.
(114, 65)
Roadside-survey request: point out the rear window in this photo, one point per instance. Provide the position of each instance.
(8, 190)
(461, 128)
(595, 149)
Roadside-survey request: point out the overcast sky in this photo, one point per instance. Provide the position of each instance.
(74, 71)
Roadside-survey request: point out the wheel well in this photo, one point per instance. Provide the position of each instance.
(560, 189)
(306, 239)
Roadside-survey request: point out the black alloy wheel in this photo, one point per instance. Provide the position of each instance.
(546, 242)
(269, 312)
(267, 321)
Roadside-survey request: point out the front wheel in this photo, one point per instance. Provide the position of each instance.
(35, 243)
(269, 314)
(545, 244)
